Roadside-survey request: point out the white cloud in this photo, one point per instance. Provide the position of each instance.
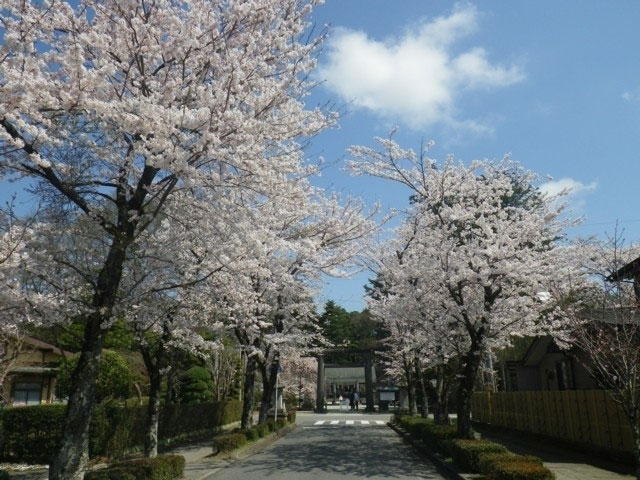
(569, 185)
(415, 78)
(631, 95)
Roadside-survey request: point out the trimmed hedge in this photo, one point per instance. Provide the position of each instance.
(228, 441)
(466, 453)
(30, 434)
(488, 461)
(489, 458)
(262, 429)
(291, 416)
(521, 471)
(250, 433)
(437, 437)
(281, 423)
(271, 425)
(162, 467)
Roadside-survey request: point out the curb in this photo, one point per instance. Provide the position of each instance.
(259, 445)
(252, 447)
(215, 463)
(442, 467)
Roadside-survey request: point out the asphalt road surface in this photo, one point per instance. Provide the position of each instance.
(334, 446)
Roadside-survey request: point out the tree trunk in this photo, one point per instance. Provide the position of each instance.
(154, 355)
(441, 398)
(73, 451)
(247, 395)
(268, 387)
(424, 409)
(465, 390)
(411, 389)
(153, 416)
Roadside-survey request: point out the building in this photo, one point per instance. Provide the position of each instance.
(31, 376)
(545, 366)
(342, 379)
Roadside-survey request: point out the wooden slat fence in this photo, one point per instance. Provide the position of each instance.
(582, 416)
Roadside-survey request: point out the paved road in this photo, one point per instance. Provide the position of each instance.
(334, 446)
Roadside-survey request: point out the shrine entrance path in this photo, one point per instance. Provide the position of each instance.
(332, 446)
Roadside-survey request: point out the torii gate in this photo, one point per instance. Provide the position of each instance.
(368, 380)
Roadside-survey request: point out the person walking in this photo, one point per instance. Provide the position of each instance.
(352, 400)
(356, 400)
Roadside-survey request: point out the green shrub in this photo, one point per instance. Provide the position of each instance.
(4, 475)
(162, 467)
(271, 425)
(488, 461)
(439, 437)
(196, 385)
(281, 423)
(436, 437)
(228, 441)
(466, 453)
(521, 471)
(262, 429)
(250, 433)
(115, 430)
(407, 422)
(291, 416)
(30, 434)
(114, 377)
(418, 426)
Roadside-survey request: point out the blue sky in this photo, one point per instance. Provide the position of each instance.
(556, 84)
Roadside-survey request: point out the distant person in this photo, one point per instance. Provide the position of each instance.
(352, 400)
(340, 400)
(356, 400)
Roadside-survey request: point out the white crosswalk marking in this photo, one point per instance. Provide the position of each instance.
(335, 423)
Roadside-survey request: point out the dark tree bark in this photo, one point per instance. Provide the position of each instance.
(154, 354)
(470, 369)
(424, 408)
(320, 400)
(247, 394)
(411, 388)
(441, 396)
(268, 374)
(153, 416)
(73, 451)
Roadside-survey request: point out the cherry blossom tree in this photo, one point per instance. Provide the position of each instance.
(114, 106)
(599, 320)
(22, 306)
(484, 250)
(420, 346)
(269, 304)
(299, 376)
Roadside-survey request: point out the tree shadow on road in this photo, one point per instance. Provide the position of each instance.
(355, 452)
